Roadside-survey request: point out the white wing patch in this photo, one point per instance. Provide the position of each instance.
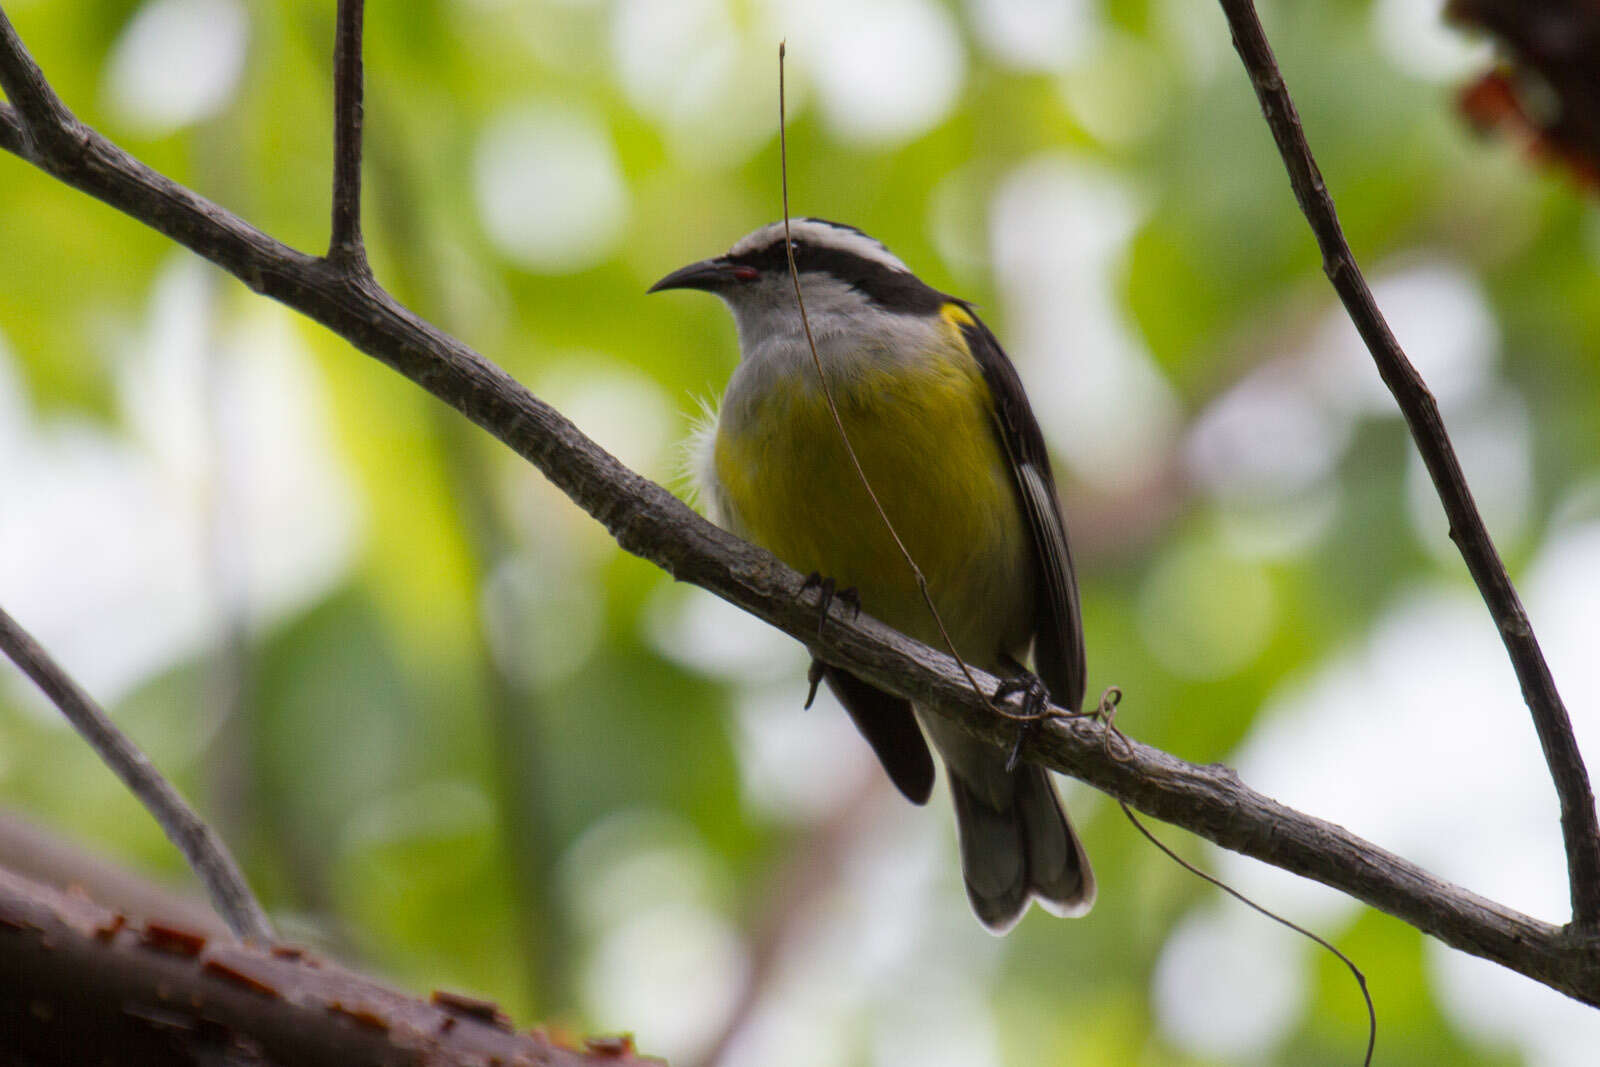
(823, 234)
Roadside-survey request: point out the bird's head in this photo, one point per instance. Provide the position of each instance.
(845, 276)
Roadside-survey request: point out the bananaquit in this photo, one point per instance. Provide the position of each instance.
(945, 435)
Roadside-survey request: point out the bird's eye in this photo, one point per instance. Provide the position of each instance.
(746, 274)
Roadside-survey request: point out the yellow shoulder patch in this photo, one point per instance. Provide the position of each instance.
(956, 315)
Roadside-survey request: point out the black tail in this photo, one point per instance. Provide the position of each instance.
(1016, 843)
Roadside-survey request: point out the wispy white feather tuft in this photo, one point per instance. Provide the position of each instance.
(695, 471)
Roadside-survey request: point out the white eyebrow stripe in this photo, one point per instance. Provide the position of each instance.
(822, 235)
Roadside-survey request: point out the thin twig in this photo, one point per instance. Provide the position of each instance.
(648, 521)
(345, 247)
(1361, 979)
(827, 392)
(206, 853)
(1579, 827)
(42, 114)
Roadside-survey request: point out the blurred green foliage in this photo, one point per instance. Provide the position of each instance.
(445, 744)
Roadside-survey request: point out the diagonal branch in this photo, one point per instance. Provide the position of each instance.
(345, 247)
(206, 853)
(651, 523)
(1579, 828)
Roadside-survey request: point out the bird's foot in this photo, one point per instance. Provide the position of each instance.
(1035, 705)
(827, 593)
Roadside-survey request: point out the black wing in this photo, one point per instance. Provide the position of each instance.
(1058, 629)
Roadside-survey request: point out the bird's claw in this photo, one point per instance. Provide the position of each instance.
(827, 593)
(1035, 702)
(814, 679)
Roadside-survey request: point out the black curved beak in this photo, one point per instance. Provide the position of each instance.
(708, 274)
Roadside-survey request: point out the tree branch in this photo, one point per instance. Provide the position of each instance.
(650, 522)
(29, 851)
(13, 137)
(1579, 828)
(345, 246)
(205, 852)
(39, 110)
(84, 984)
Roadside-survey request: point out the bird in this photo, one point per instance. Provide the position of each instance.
(936, 413)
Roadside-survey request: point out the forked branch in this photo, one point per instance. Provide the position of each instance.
(204, 851)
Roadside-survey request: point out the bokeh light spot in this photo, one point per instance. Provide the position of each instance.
(1267, 437)
(549, 189)
(1060, 229)
(1441, 317)
(177, 62)
(625, 411)
(1043, 35)
(1420, 42)
(1205, 614)
(541, 625)
(685, 64)
(1121, 94)
(884, 72)
(1228, 987)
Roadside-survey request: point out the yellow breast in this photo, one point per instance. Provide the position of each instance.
(924, 432)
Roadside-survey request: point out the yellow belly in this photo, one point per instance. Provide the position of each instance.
(926, 439)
